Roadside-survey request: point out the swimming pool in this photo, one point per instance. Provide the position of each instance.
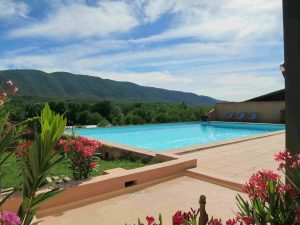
(161, 137)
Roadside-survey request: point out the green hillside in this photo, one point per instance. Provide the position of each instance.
(37, 83)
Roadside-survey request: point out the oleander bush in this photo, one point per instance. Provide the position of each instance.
(82, 155)
(9, 135)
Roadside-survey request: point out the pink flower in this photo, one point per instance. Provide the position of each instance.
(66, 148)
(10, 218)
(282, 158)
(258, 184)
(93, 165)
(217, 222)
(178, 218)
(24, 145)
(3, 94)
(61, 143)
(14, 90)
(53, 152)
(150, 220)
(285, 188)
(231, 222)
(247, 220)
(9, 82)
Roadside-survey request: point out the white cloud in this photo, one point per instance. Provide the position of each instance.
(242, 87)
(217, 20)
(78, 20)
(154, 9)
(12, 9)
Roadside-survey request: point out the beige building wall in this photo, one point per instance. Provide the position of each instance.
(269, 112)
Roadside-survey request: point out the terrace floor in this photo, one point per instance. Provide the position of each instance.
(236, 161)
(165, 198)
(240, 160)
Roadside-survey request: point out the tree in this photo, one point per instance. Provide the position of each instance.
(82, 118)
(104, 108)
(73, 109)
(93, 118)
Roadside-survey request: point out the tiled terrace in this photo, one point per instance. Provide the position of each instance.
(240, 160)
(165, 198)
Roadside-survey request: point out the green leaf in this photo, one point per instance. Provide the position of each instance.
(37, 222)
(6, 141)
(160, 219)
(6, 197)
(3, 120)
(38, 200)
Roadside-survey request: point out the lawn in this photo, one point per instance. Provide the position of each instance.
(12, 179)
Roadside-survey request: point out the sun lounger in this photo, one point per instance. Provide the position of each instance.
(230, 116)
(241, 117)
(252, 117)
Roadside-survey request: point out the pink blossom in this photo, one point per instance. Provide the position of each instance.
(66, 148)
(258, 184)
(284, 188)
(247, 220)
(10, 218)
(150, 220)
(217, 222)
(282, 158)
(3, 94)
(93, 164)
(178, 218)
(231, 222)
(9, 82)
(14, 89)
(61, 143)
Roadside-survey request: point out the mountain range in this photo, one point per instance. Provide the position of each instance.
(36, 83)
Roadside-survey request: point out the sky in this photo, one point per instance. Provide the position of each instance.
(226, 49)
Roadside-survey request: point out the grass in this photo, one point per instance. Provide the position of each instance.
(12, 178)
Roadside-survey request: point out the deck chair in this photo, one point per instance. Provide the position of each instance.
(252, 117)
(230, 116)
(241, 117)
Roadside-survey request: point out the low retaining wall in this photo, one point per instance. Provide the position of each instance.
(111, 151)
(79, 191)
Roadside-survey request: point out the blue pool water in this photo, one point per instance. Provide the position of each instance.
(161, 137)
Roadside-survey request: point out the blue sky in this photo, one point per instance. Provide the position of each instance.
(227, 49)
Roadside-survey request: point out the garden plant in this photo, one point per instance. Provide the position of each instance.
(8, 136)
(35, 157)
(81, 153)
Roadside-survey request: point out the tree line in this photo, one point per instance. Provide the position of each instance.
(106, 113)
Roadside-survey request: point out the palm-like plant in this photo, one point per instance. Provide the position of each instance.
(39, 164)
